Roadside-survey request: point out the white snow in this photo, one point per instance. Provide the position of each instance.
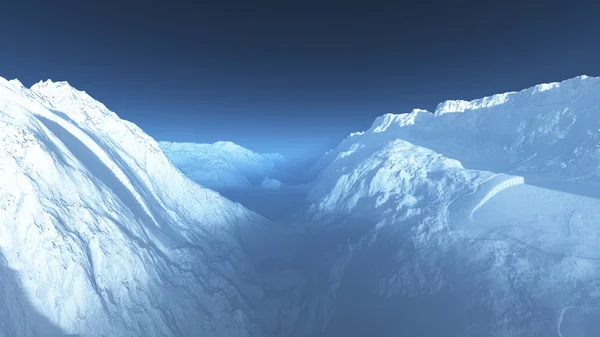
(531, 132)
(100, 235)
(479, 219)
(484, 210)
(222, 165)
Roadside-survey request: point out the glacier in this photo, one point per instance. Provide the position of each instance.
(476, 219)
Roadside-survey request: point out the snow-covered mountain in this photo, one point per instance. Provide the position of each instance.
(479, 219)
(222, 165)
(100, 235)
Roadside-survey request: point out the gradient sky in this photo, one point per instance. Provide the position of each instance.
(292, 78)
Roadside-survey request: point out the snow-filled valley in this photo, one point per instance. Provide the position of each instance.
(477, 219)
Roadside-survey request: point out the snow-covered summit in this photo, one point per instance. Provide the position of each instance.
(222, 165)
(104, 236)
(480, 217)
(61, 94)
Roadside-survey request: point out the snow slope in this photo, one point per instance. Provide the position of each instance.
(222, 165)
(100, 235)
(476, 220)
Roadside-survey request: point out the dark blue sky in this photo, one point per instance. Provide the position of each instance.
(293, 78)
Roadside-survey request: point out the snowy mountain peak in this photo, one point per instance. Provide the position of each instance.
(454, 106)
(236, 148)
(50, 82)
(565, 90)
(106, 236)
(52, 87)
(553, 126)
(226, 148)
(489, 205)
(76, 104)
(15, 82)
(229, 144)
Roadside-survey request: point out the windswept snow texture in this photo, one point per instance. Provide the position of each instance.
(101, 236)
(480, 219)
(222, 165)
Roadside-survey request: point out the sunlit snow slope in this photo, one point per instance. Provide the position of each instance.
(480, 219)
(222, 165)
(101, 236)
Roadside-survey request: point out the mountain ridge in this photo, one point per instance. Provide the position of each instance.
(472, 211)
(132, 245)
(222, 165)
(500, 120)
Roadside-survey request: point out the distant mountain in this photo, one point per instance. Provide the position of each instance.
(222, 165)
